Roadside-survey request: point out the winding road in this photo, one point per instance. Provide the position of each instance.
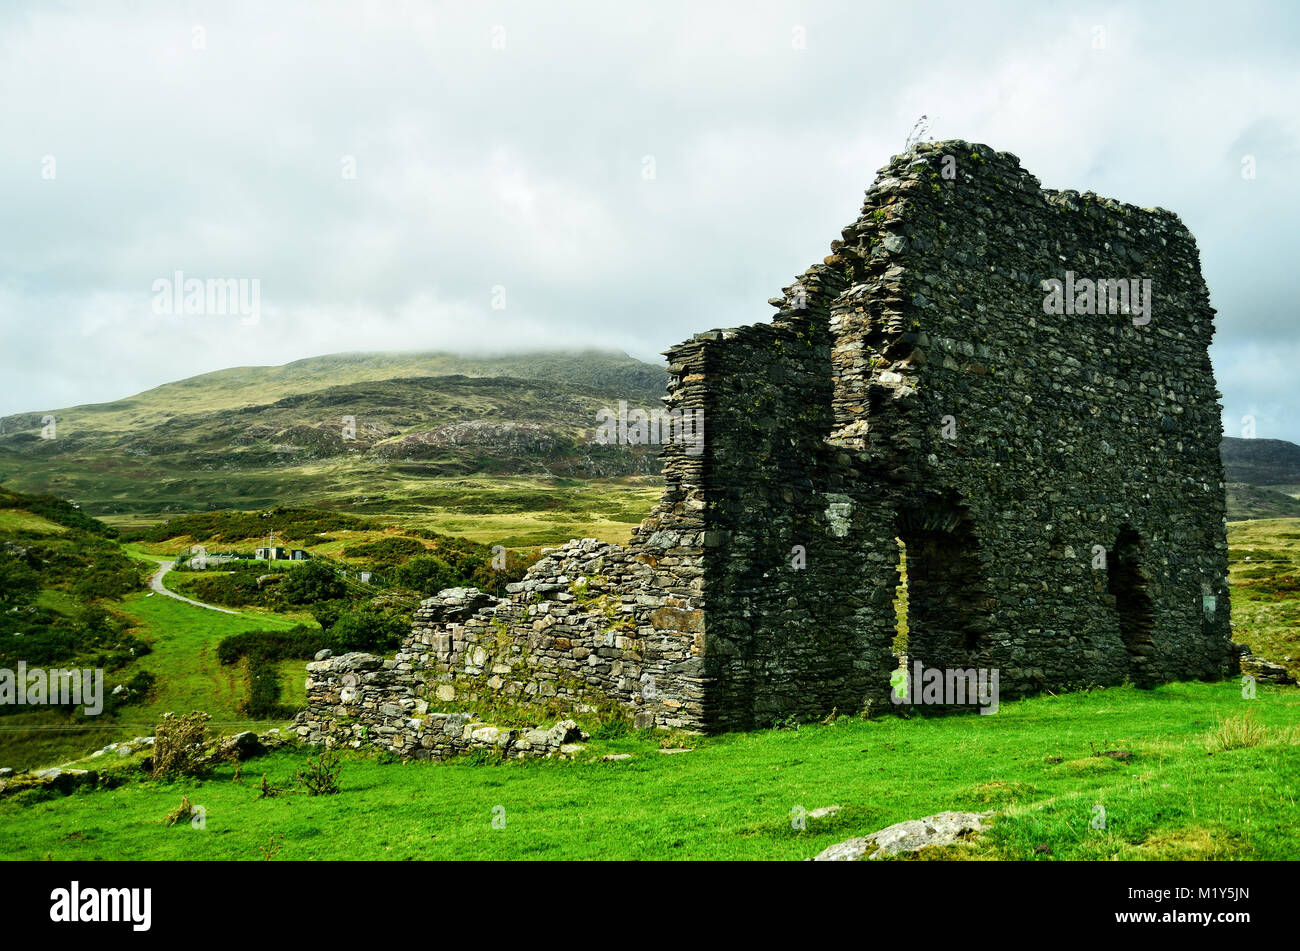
(157, 585)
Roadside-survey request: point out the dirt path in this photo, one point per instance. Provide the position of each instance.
(156, 584)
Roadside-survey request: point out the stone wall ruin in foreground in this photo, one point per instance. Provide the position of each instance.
(909, 387)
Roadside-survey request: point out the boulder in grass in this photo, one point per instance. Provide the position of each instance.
(241, 746)
(903, 838)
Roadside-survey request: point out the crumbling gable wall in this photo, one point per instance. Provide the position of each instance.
(1055, 479)
(1075, 457)
(799, 550)
(592, 626)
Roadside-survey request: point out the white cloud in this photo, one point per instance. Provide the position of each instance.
(522, 167)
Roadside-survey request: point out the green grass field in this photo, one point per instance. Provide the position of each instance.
(184, 658)
(515, 511)
(1264, 570)
(736, 796)
(184, 641)
(1048, 765)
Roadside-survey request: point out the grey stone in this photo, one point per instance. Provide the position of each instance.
(943, 828)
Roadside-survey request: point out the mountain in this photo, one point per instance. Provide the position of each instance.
(382, 432)
(338, 429)
(1263, 477)
(1262, 462)
(240, 387)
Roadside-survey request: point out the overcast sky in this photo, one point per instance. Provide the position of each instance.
(617, 175)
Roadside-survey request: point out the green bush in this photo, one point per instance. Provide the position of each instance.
(611, 729)
(236, 589)
(108, 583)
(136, 689)
(46, 638)
(298, 641)
(368, 627)
(310, 582)
(327, 612)
(386, 551)
(264, 691)
(19, 582)
(263, 649)
(87, 566)
(428, 574)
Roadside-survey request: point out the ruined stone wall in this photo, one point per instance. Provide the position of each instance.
(364, 700)
(592, 627)
(1062, 432)
(1055, 480)
(795, 623)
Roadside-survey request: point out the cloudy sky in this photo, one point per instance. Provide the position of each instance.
(617, 176)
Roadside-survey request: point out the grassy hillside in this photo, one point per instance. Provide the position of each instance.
(255, 386)
(1264, 570)
(1252, 502)
(1147, 757)
(342, 430)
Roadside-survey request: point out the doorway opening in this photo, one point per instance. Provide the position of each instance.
(941, 605)
(1127, 582)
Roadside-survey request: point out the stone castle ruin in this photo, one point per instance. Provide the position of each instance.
(961, 373)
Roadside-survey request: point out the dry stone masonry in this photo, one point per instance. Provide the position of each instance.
(1054, 479)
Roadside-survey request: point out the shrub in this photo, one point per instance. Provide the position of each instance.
(180, 745)
(182, 812)
(108, 582)
(428, 573)
(327, 612)
(19, 584)
(386, 551)
(263, 701)
(50, 639)
(94, 619)
(298, 641)
(369, 627)
(263, 649)
(234, 590)
(611, 729)
(310, 582)
(321, 775)
(137, 688)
